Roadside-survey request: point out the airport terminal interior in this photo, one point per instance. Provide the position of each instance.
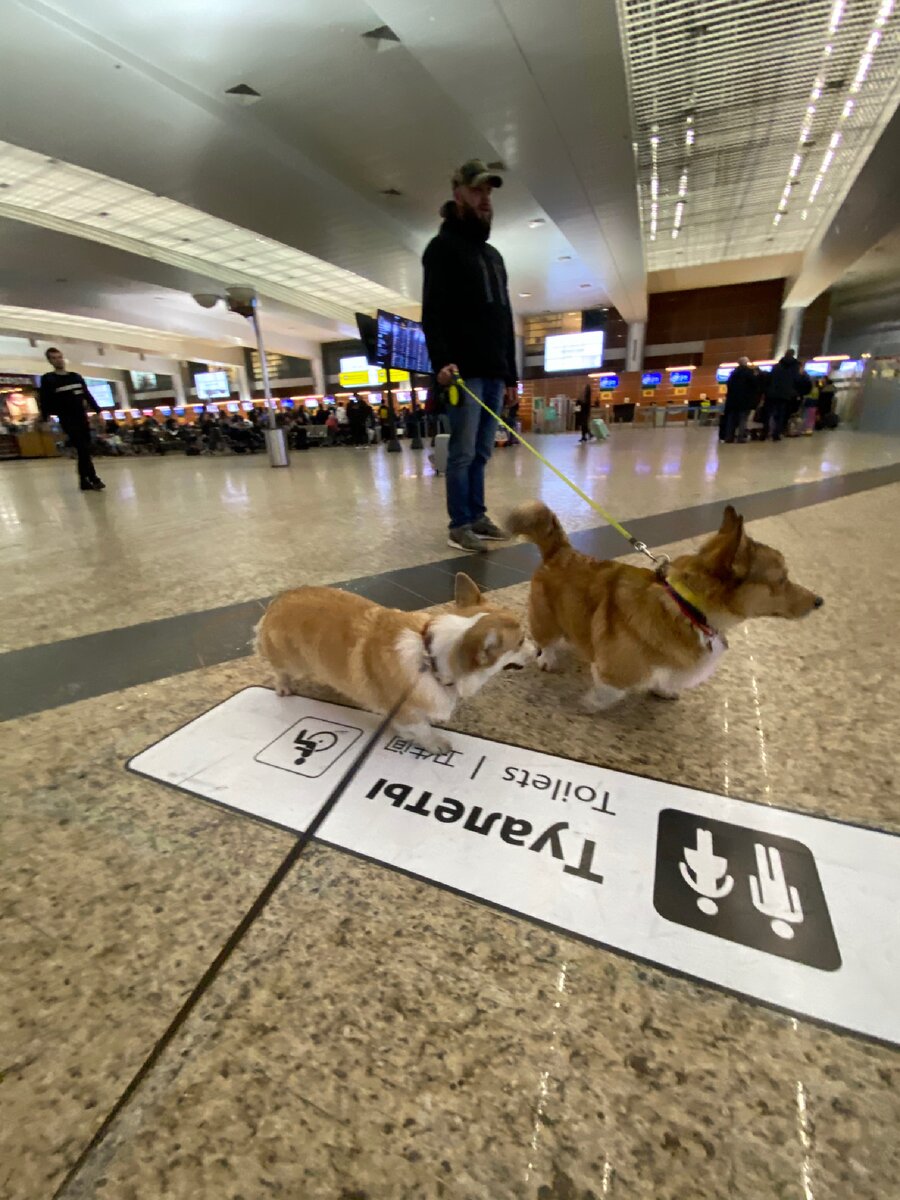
(280, 286)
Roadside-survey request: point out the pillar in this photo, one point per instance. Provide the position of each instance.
(634, 347)
(790, 327)
(320, 383)
(242, 379)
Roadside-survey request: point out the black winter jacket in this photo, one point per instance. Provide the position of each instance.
(465, 302)
(782, 383)
(743, 388)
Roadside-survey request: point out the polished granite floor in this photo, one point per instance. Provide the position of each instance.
(372, 1036)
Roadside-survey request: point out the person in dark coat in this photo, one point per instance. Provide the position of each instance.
(781, 394)
(358, 414)
(742, 393)
(468, 324)
(583, 414)
(65, 395)
(825, 402)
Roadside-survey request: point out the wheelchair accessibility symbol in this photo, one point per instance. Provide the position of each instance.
(743, 885)
(310, 747)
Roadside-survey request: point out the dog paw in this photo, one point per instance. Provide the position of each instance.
(438, 745)
(548, 663)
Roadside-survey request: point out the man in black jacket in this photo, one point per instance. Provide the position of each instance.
(741, 395)
(781, 392)
(468, 326)
(65, 395)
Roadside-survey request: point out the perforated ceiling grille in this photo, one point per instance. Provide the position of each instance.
(752, 118)
(73, 200)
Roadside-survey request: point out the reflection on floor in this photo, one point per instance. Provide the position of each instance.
(373, 1036)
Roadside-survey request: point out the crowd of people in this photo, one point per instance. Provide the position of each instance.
(356, 423)
(761, 405)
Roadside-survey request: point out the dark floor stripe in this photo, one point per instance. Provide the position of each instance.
(48, 676)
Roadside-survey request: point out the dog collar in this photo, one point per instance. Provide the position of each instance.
(687, 603)
(430, 663)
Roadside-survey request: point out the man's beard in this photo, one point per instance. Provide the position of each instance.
(476, 219)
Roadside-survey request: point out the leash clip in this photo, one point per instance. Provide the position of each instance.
(660, 561)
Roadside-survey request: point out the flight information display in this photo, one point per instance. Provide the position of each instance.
(401, 342)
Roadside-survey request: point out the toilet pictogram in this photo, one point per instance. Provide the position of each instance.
(744, 885)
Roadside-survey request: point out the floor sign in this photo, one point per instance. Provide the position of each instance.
(792, 910)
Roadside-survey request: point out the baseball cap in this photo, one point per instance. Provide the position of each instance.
(474, 172)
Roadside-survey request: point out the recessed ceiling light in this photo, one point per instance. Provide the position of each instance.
(391, 191)
(564, 258)
(585, 285)
(103, 214)
(524, 295)
(538, 221)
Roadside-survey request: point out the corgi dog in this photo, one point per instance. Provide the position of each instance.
(378, 656)
(643, 632)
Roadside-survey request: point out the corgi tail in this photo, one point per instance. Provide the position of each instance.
(537, 523)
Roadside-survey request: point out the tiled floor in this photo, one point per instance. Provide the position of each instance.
(372, 1036)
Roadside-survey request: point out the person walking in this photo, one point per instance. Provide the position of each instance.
(781, 392)
(65, 395)
(468, 326)
(583, 414)
(741, 395)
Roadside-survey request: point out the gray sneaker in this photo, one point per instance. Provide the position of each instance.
(463, 538)
(485, 528)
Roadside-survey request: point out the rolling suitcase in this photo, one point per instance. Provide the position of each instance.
(438, 455)
(600, 429)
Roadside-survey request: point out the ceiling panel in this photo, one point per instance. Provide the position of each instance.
(752, 118)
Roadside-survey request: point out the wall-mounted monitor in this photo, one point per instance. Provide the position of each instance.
(143, 381)
(680, 378)
(723, 374)
(103, 392)
(606, 383)
(573, 351)
(651, 379)
(233, 406)
(212, 385)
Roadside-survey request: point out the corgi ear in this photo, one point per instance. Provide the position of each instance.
(730, 518)
(729, 546)
(467, 592)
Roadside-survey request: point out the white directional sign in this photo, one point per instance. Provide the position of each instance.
(791, 910)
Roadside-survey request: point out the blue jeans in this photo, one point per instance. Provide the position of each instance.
(471, 445)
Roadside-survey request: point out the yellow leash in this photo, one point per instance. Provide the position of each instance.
(661, 560)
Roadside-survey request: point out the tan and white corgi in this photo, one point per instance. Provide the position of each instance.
(641, 633)
(375, 656)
